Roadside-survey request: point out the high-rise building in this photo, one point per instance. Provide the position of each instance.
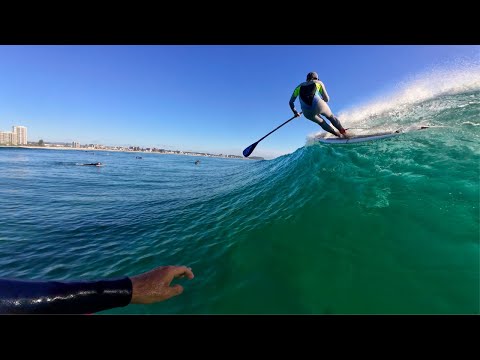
(75, 144)
(20, 135)
(6, 138)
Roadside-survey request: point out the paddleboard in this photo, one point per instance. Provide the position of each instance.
(361, 138)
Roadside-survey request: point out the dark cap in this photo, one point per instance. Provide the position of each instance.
(312, 75)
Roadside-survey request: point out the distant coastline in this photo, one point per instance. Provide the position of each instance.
(157, 151)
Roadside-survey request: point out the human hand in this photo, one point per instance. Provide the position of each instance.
(154, 285)
(297, 114)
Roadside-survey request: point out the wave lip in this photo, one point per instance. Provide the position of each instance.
(429, 85)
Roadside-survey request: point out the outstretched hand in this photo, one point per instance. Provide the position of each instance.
(154, 285)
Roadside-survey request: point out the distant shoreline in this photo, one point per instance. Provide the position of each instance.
(126, 151)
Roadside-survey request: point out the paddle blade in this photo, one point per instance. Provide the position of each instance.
(249, 149)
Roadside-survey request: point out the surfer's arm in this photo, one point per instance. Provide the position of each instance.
(59, 297)
(86, 297)
(323, 91)
(293, 98)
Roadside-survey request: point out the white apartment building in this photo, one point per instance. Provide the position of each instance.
(20, 133)
(6, 138)
(18, 136)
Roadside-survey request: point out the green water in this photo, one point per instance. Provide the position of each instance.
(390, 226)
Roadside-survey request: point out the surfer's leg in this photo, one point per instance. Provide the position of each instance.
(312, 114)
(325, 126)
(324, 110)
(335, 122)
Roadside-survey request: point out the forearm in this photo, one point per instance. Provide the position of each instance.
(57, 297)
(292, 105)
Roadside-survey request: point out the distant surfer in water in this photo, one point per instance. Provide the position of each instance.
(313, 100)
(93, 164)
(197, 162)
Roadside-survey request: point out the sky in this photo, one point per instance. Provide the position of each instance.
(207, 98)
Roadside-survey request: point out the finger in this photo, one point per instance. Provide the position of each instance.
(183, 275)
(178, 271)
(176, 290)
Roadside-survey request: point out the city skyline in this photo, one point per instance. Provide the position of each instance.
(6, 138)
(20, 133)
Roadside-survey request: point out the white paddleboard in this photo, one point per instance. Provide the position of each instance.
(361, 138)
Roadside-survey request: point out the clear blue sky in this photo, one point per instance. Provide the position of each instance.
(217, 99)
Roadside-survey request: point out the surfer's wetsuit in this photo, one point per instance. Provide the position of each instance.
(313, 100)
(58, 297)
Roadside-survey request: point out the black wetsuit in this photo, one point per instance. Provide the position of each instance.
(58, 297)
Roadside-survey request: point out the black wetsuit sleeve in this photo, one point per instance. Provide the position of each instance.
(57, 297)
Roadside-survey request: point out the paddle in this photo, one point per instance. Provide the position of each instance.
(248, 150)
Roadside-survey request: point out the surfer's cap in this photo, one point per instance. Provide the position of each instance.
(312, 76)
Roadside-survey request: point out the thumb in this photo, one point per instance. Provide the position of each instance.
(176, 289)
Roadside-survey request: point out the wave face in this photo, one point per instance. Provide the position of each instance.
(390, 226)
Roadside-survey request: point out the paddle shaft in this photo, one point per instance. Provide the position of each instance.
(278, 127)
(248, 150)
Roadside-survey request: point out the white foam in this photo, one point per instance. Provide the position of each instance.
(453, 79)
(310, 139)
(470, 123)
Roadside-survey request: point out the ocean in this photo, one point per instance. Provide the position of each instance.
(383, 227)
